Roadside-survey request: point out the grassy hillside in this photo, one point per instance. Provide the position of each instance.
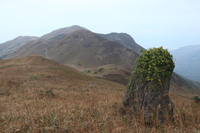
(179, 84)
(110, 72)
(40, 95)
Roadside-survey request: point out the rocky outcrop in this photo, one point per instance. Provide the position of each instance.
(152, 104)
(147, 92)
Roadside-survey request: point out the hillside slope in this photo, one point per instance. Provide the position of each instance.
(187, 61)
(178, 84)
(10, 46)
(34, 92)
(41, 95)
(124, 39)
(81, 48)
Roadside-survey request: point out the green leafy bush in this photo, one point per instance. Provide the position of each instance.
(196, 99)
(101, 69)
(88, 71)
(153, 65)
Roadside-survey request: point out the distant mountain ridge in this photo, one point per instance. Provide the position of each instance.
(55, 36)
(12, 45)
(187, 61)
(81, 48)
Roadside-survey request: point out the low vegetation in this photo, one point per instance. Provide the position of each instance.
(85, 108)
(73, 102)
(196, 99)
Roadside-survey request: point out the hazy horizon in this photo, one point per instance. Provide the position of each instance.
(151, 23)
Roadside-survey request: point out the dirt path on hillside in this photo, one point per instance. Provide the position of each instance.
(46, 52)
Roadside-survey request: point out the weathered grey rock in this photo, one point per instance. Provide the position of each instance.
(148, 97)
(152, 103)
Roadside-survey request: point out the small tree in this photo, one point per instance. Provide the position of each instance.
(196, 99)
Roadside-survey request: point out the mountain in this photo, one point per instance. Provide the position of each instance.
(12, 45)
(82, 48)
(9, 47)
(108, 56)
(125, 39)
(62, 32)
(187, 61)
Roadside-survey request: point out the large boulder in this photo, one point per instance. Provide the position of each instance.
(147, 93)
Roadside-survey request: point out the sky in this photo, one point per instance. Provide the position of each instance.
(152, 23)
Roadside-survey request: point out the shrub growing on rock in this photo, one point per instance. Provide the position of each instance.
(148, 87)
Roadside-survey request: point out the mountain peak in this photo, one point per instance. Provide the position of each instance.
(65, 31)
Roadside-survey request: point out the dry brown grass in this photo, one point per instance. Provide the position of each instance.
(47, 97)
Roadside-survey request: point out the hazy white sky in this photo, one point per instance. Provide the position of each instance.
(152, 23)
